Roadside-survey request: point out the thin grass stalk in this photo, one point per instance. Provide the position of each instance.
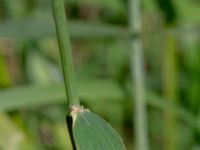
(170, 91)
(138, 76)
(65, 51)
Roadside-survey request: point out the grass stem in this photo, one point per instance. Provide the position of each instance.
(65, 51)
(138, 76)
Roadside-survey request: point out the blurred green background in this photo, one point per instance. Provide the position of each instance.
(32, 97)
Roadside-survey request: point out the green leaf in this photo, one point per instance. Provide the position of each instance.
(43, 27)
(36, 95)
(92, 132)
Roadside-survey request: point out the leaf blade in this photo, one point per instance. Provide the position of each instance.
(92, 132)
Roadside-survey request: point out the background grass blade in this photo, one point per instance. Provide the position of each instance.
(43, 27)
(37, 95)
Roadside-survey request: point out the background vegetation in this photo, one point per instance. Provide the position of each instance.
(32, 98)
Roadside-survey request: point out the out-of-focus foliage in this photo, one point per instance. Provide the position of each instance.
(32, 99)
(116, 5)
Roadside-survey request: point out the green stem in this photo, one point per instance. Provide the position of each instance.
(65, 51)
(138, 76)
(170, 90)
